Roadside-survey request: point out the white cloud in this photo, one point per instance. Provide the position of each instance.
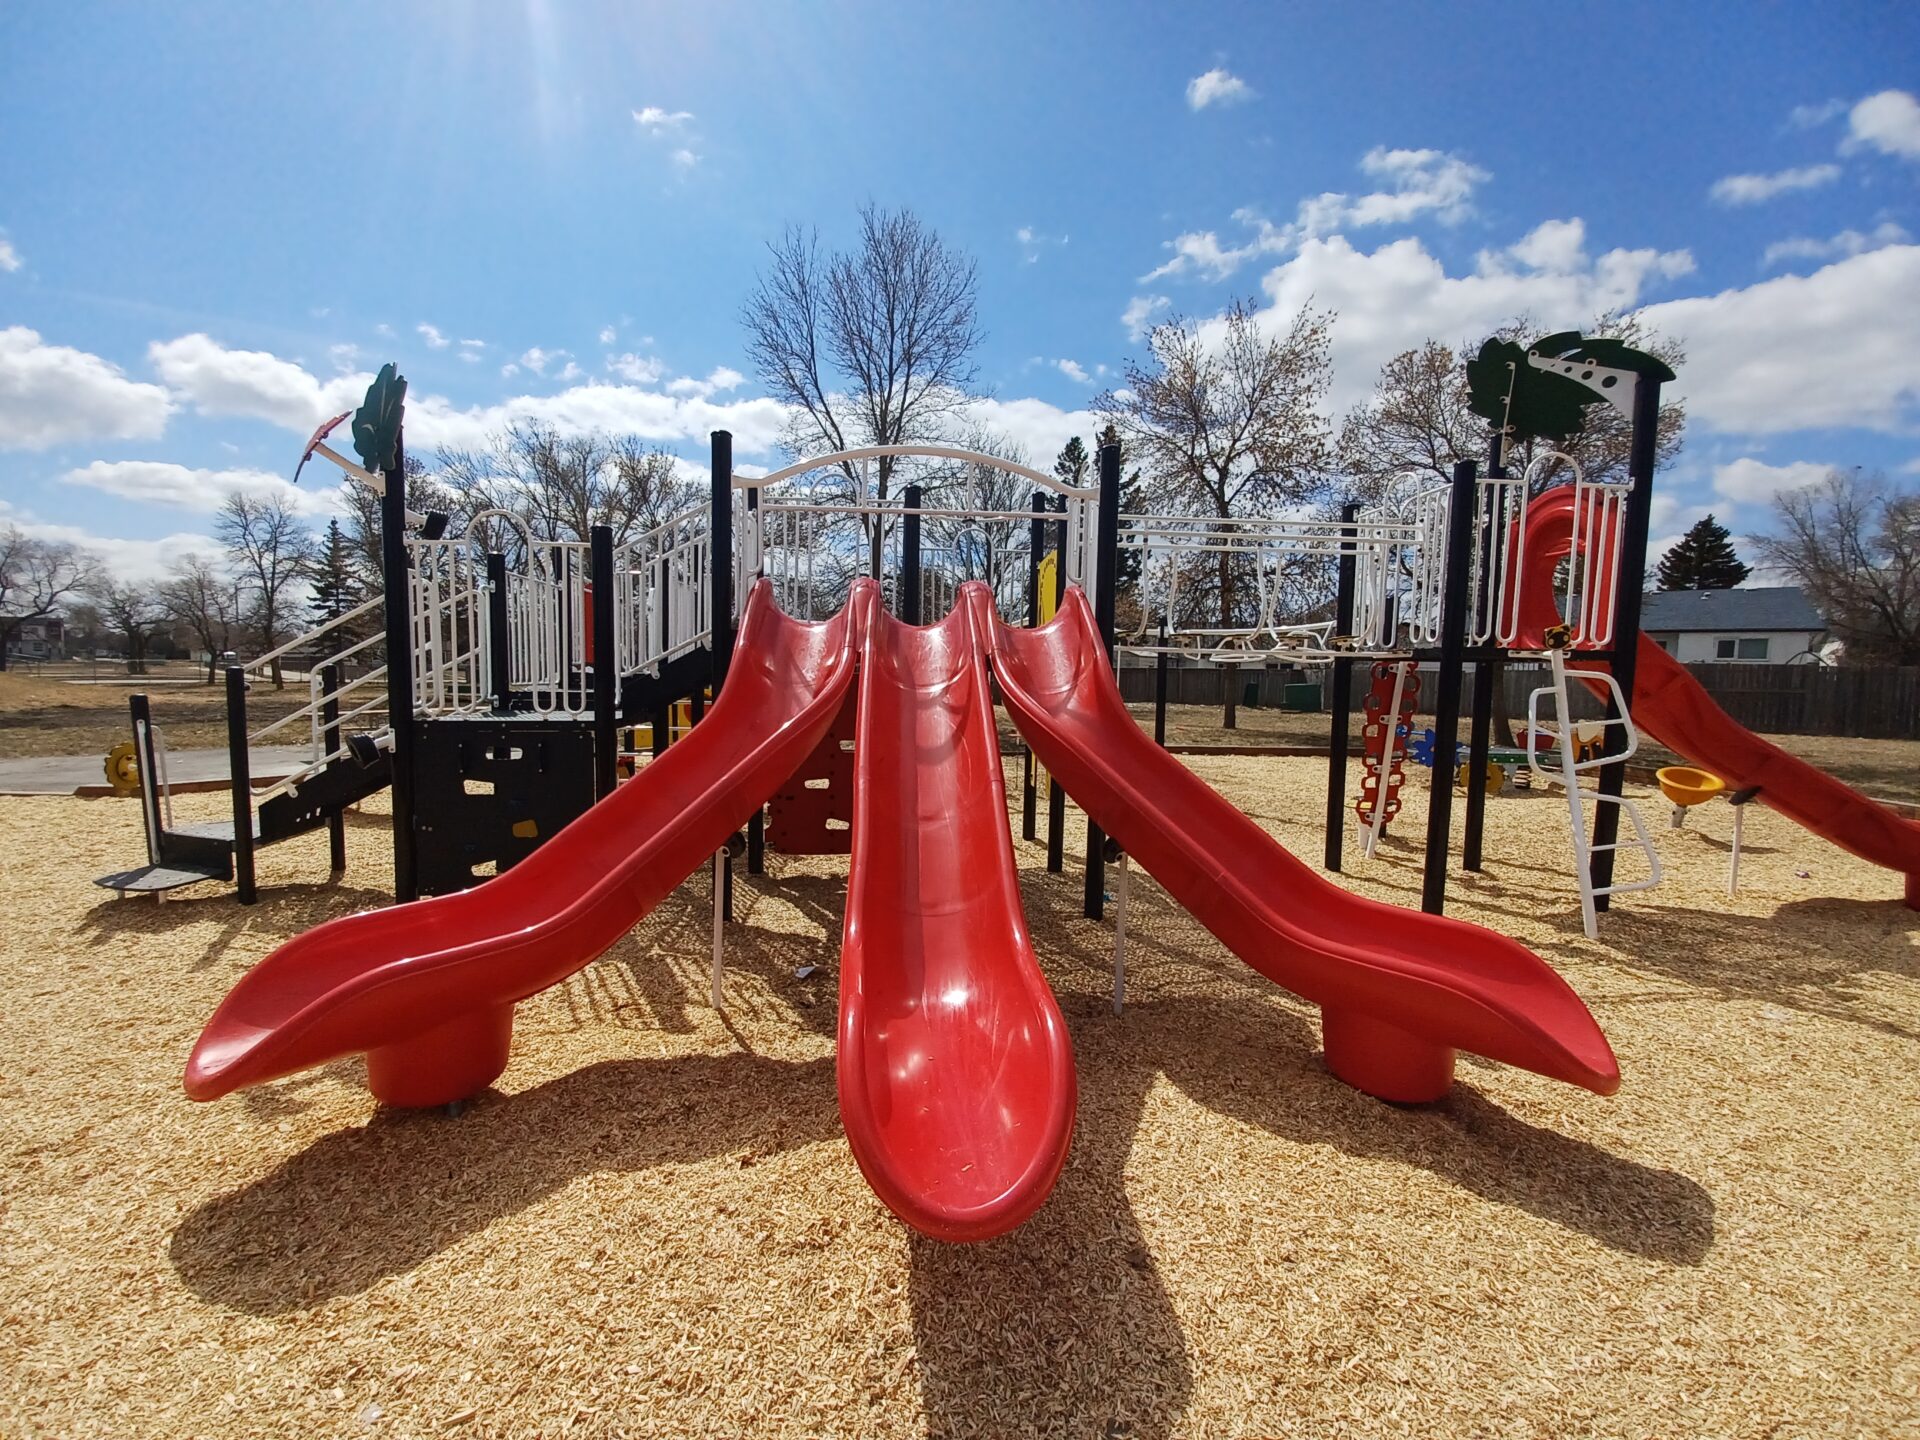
(509, 370)
(157, 482)
(537, 360)
(1754, 482)
(251, 383)
(608, 335)
(722, 379)
(1421, 182)
(1888, 122)
(135, 560)
(431, 334)
(1073, 370)
(1038, 428)
(1753, 189)
(1032, 242)
(1846, 243)
(571, 373)
(1555, 246)
(51, 395)
(1217, 87)
(1834, 348)
(1400, 294)
(10, 260)
(345, 357)
(655, 119)
(1812, 117)
(638, 369)
(471, 357)
(1138, 316)
(683, 159)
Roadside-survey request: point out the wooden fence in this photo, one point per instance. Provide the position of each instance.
(1865, 702)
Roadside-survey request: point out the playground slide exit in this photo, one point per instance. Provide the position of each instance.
(426, 991)
(956, 1076)
(1399, 991)
(1672, 707)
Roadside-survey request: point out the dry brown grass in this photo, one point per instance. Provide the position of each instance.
(50, 715)
(653, 1225)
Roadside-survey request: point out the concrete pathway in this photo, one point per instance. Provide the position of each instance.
(186, 770)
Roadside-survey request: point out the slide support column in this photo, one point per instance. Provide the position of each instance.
(1446, 705)
(1341, 700)
(1105, 578)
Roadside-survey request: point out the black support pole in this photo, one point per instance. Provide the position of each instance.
(1446, 705)
(907, 602)
(1056, 797)
(1486, 675)
(330, 742)
(1629, 582)
(1341, 700)
(720, 571)
(606, 672)
(1162, 663)
(499, 642)
(393, 567)
(1105, 593)
(241, 768)
(1036, 542)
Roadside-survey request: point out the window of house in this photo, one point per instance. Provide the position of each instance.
(1743, 647)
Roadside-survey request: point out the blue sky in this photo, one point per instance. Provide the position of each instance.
(216, 219)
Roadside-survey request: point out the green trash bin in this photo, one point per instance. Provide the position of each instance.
(1250, 697)
(1304, 696)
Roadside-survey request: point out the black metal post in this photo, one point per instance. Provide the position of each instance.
(499, 642)
(1446, 705)
(1036, 540)
(720, 571)
(1056, 797)
(1105, 593)
(240, 767)
(1492, 545)
(1486, 676)
(1629, 583)
(330, 743)
(141, 715)
(393, 568)
(1162, 663)
(606, 670)
(1341, 700)
(907, 602)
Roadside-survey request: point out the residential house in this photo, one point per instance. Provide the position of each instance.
(1764, 624)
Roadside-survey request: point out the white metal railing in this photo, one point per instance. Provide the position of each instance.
(814, 540)
(448, 626)
(662, 598)
(345, 691)
(549, 615)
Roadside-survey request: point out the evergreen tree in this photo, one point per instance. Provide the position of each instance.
(1072, 462)
(1703, 560)
(336, 590)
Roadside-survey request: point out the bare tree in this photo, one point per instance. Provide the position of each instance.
(269, 548)
(872, 346)
(1225, 421)
(206, 600)
(1852, 542)
(560, 486)
(132, 609)
(1418, 418)
(37, 577)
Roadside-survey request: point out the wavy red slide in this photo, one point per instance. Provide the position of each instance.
(426, 991)
(1399, 991)
(1670, 705)
(956, 1077)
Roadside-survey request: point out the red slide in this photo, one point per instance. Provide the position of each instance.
(956, 1077)
(1670, 705)
(426, 991)
(1399, 991)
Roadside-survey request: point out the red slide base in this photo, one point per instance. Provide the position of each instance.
(1913, 891)
(1385, 1061)
(449, 1062)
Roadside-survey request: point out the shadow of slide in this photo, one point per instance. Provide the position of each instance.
(361, 1205)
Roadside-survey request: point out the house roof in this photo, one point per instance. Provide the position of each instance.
(1761, 607)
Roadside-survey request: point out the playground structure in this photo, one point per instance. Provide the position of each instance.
(838, 728)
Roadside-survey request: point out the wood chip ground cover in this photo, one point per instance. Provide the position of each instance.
(652, 1226)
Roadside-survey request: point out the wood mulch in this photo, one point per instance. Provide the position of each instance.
(653, 1226)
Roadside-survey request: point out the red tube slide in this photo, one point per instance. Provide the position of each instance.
(1670, 705)
(1399, 991)
(426, 991)
(956, 1076)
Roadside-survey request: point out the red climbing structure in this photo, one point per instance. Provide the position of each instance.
(1384, 720)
